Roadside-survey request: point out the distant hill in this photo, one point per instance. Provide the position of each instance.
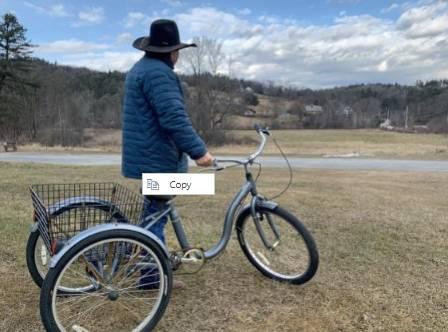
(64, 101)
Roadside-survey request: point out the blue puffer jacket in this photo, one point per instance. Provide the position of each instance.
(157, 132)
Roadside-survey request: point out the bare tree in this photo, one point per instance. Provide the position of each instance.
(215, 56)
(230, 63)
(195, 57)
(206, 57)
(212, 96)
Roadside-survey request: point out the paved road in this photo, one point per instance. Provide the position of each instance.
(313, 163)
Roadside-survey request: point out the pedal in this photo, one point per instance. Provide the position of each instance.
(192, 261)
(176, 260)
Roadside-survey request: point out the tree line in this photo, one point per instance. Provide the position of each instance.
(53, 104)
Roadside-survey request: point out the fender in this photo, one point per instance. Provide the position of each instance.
(103, 228)
(78, 201)
(34, 227)
(268, 205)
(75, 202)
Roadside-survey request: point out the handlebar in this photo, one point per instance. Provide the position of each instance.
(260, 129)
(263, 132)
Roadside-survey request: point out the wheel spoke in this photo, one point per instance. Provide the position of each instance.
(89, 309)
(120, 303)
(288, 256)
(123, 298)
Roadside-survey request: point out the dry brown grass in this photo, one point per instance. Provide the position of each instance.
(366, 142)
(312, 143)
(381, 236)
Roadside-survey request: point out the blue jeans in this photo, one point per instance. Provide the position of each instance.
(150, 277)
(151, 207)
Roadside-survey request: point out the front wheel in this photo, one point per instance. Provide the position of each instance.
(131, 279)
(281, 248)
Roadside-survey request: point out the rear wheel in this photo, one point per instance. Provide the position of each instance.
(288, 253)
(37, 257)
(37, 254)
(38, 262)
(131, 279)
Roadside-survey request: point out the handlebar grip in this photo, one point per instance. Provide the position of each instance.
(216, 166)
(260, 129)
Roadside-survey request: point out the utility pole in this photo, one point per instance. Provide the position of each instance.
(446, 121)
(406, 117)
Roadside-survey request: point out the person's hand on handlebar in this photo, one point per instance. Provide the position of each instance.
(205, 161)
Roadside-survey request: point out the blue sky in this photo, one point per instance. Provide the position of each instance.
(308, 44)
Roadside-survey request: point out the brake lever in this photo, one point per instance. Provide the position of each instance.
(216, 166)
(202, 170)
(259, 129)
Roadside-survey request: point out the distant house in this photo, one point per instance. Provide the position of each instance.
(347, 111)
(250, 113)
(314, 109)
(386, 125)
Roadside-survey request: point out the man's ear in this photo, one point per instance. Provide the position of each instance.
(174, 56)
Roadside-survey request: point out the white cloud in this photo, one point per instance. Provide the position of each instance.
(103, 61)
(56, 10)
(389, 9)
(125, 38)
(351, 49)
(70, 46)
(425, 21)
(383, 66)
(91, 16)
(269, 19)
(136, 18)
(244, 11)
(211, 21)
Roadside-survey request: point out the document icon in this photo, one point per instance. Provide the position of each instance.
(152, 185)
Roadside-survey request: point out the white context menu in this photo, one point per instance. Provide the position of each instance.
(178, 184)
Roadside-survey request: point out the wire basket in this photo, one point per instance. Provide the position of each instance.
(64, 210)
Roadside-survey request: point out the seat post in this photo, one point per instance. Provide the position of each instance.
(179, 228)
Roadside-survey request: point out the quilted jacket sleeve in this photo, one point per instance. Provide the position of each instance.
(162, 90)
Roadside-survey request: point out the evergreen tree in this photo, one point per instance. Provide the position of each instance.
(15, 50)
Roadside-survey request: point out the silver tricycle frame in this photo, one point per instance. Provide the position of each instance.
(234, 211)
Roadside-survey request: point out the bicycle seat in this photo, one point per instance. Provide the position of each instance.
(163, 198)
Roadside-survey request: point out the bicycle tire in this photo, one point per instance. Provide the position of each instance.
(47, 291)
(302, 232)
(31, 248)
(33, 238)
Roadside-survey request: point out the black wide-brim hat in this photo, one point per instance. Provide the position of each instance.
(163, 38)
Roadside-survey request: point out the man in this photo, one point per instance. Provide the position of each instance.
(157, 132)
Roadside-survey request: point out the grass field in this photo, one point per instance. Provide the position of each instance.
(365, 142)
(312, 143)
(382, 238)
